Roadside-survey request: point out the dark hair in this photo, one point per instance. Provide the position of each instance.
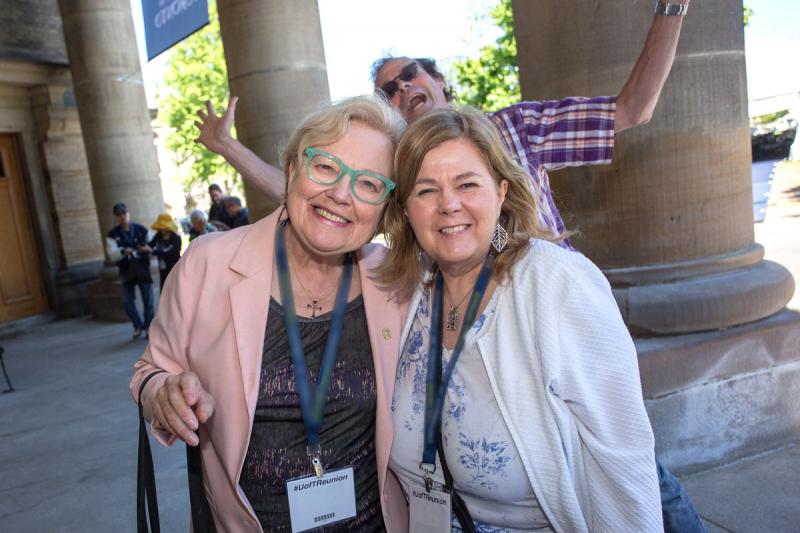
(119, 208)
(214, 187)
(426, 62)
(235, 200)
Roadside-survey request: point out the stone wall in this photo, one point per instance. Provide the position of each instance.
(70, 186)
(37, 105)
(70, 191)
(37, 35)
(718, 396)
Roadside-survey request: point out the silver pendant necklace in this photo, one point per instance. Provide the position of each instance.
(451, 322)
(314, 306)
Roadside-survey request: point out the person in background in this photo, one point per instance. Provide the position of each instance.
(217, 213)
(237, 214)
(166, 245)
(200, 225)
(126, 245)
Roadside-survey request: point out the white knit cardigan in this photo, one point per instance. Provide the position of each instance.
(564, 371)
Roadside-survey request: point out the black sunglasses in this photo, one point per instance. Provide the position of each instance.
(408, 73)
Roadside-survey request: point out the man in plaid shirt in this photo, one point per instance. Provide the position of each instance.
(542, 136)
(554, 134)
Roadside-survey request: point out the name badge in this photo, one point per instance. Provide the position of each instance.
(430, 511)
(319, 501)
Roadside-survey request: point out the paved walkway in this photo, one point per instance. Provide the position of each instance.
(69, 434)
(760, 494)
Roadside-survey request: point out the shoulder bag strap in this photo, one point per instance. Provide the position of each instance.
(145, 475)
(202, 521)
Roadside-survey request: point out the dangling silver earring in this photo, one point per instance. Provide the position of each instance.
(420, 253)
(499, 238)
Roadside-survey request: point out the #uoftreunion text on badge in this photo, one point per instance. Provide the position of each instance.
(430, 510)
(318, 501)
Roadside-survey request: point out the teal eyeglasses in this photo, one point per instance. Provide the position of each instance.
(326, 169)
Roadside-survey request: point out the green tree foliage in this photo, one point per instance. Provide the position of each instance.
(748, 12)
(491, 81)
(196, 72)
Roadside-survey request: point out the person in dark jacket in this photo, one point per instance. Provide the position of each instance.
(126, 244)
(217, 213)
(166, 245)
(237, 213)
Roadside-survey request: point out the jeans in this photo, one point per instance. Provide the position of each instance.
(677, 510)
(129, 303)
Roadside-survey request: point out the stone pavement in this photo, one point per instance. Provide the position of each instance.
(759, 494)
(69, 431)
(69, 434)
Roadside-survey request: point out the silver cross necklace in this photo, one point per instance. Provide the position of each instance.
(315, 302)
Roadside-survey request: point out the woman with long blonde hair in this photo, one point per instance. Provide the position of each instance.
(517, 401)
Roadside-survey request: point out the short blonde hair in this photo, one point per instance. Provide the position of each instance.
(330, 124)
(400, 270)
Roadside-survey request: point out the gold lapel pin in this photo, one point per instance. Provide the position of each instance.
(387, 334)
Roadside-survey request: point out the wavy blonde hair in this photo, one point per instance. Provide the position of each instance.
(328, 125)
(401, 271)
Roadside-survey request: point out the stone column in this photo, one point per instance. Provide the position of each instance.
(115, 121)
(107, 78)
(276, 65)
(64, 155)
(73, 212)
(670, 221)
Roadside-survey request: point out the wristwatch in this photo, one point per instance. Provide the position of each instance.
(671, 10)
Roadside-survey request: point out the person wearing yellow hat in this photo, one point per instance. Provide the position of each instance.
(166, 245)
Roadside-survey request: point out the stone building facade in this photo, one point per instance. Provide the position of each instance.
(51, 240)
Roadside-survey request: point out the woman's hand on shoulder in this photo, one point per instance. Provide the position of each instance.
(181, 405)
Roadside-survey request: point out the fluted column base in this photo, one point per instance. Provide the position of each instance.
(691, 296)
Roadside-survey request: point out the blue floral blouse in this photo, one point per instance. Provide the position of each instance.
(486, 467)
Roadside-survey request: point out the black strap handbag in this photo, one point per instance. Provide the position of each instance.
(137, 269)
(146, 498)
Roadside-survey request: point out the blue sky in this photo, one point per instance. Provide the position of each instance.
(772, 45)
(355, 32)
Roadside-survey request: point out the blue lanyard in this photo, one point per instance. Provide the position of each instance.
(435, 381)
(312, 398)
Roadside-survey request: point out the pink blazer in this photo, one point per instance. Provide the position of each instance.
(211, 320)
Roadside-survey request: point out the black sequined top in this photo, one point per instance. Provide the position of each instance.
(277, 450)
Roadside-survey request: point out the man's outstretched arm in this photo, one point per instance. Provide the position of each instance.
(637, 99)
(215, 134)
